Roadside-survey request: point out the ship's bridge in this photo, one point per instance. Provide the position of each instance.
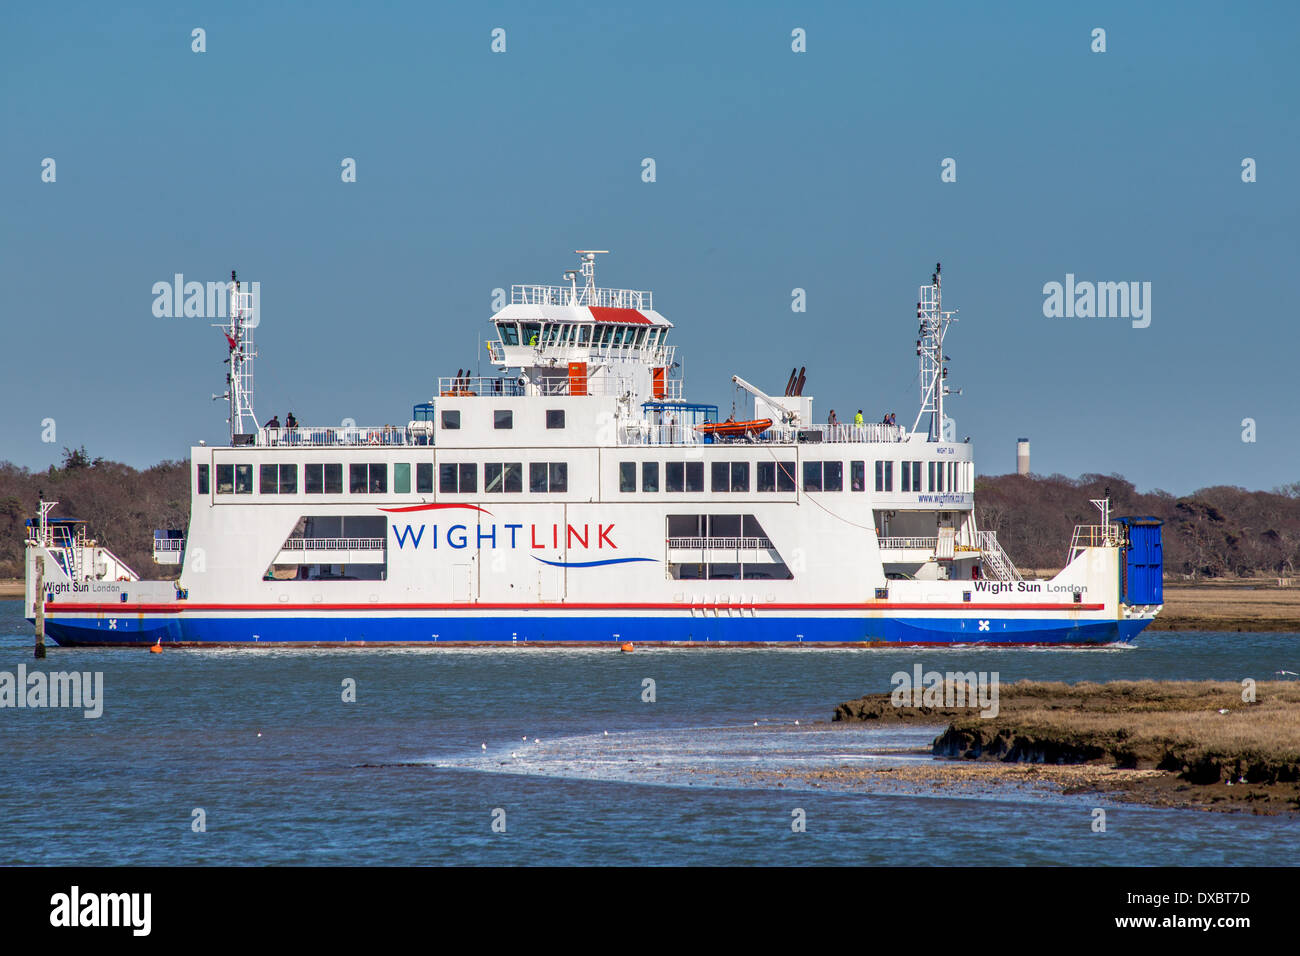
(579, 340)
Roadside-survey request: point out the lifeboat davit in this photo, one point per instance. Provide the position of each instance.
(735, 429)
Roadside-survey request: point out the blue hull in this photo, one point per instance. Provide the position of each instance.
(284, 629)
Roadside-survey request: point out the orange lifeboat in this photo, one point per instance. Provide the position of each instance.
(735, 429)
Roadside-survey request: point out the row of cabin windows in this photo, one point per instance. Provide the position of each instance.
(940, 475)
(732, 476)
(372, 478)
(501, 418)
(581, 336)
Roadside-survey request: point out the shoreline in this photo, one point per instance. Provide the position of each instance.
(1190, 744)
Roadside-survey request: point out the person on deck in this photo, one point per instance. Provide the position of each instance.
(274, 422)
(290, 421)
(857, 419)
(830, 419)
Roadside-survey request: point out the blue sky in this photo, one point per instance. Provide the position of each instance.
(775, 170)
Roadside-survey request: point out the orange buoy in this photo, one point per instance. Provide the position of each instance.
(156, 648)
(626, 648)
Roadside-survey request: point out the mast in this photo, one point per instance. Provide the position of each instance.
(933, 324)
(239, 380)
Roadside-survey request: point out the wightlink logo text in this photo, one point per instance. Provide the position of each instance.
(1102, 300)
(953, 689)
(76, 689)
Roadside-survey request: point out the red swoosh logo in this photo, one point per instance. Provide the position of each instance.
(437, 507)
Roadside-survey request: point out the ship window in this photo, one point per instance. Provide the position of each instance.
(766, 476)
(358, 479)
(203, 479)
(884, 476)
(740, 476)
(402, 477)
(530, 332)
(916, 476)
(674, 476)
(650, 476)
(423, 477)
(905, 477)
(537, 476)
(834, 476)
(720, 476)
(509, 333)
(503, 418)
(334, 479)
(785, 476)
(559, 476)
(627, 476)
(584, 334)
(243, 479)
(313, 479)
(450, 419)
(288, 479)
(448, 477)
(930, 475)
(695, 476)
(505, 477)
(225, 479)
(858, 475)
(939, 471)
(457, 478)
(269, 479)
(555, 418)
(378, 478)
(812, 476)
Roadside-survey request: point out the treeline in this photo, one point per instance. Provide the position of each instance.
(1215, 532)
(1212, 533)
(121, 506)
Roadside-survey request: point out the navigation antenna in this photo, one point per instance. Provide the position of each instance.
(588, 268)
(933, 324)
(239, 380)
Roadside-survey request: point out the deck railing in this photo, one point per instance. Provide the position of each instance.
(580, 296)
(720, 544)
(334, 544)
(905, 544)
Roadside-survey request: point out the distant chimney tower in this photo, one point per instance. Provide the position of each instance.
(1022, 456)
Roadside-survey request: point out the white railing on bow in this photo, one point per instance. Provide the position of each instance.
(339, 435)
(168, 544)
(580, 296)
(1094, 536)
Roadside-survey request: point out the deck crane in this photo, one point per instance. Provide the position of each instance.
(788, 416)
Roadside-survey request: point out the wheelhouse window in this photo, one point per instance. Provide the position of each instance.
(225, 479)
(509, 333)
(503, 418)
(450, 419)
(203, 479)
(555, 418)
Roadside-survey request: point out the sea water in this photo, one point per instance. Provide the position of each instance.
(524, 755)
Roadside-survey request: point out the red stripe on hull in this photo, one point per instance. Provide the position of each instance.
(482, 606)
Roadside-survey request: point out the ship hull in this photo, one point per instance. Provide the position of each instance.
(551, 628)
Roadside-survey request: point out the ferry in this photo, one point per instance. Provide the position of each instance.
(574, 496)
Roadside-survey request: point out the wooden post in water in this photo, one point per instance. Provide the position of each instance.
(40, 605)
